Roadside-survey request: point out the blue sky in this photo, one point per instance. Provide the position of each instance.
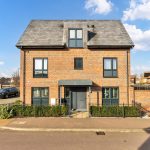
(16, 14)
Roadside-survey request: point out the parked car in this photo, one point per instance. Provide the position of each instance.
(9, 92)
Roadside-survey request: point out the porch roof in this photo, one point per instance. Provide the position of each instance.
(75, 82)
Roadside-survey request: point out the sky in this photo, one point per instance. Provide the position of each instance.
(15, 15)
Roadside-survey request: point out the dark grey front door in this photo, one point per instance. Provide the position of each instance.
(78, 98)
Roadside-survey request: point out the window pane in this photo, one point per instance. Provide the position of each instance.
(107, 63)
(79, 43)
(36, 101)
(38, 64)
(72, 34)
(79, 34)
(36, 92)
(44, 92)
(108, 73)
(114, 102)
(106, 102)
(45, 64)
(106, 93)
(45, 101)
(115, 93)
(72, 43)
(38, 74)
(78, 63)
(45, 74)
(67, 92)
(114, 64)
(114, 73)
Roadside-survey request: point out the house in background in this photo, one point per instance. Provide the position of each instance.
(146, 78)
(82, 61)
(133, 79)
(5, 82)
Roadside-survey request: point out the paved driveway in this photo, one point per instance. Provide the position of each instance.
(9, 100)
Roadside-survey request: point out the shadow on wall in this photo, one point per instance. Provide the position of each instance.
(96, 88)
(146, 144)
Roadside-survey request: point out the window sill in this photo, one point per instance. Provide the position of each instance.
(111, 77)
(39, 77)
(76, 47)
(78, 69)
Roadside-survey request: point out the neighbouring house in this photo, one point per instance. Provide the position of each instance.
(143, 79)
(76, 62)
(5, 80)
(133, 79)
(146, 78)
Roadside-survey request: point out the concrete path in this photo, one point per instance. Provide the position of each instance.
(73, 124)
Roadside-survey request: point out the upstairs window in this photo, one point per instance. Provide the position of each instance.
(75, 38)
(40, 68)
(110, 67)
(78, 63)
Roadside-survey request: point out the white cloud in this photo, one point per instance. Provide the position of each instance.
(1, 62)
(140, 38)
(99, 6)
(139, 69)
(139, 9)
(2, 74)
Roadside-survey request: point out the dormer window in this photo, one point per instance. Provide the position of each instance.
(75, 38)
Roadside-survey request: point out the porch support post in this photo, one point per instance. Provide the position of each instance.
(60, 92)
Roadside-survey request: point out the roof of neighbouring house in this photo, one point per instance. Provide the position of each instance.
(50, 33)
(147, 74)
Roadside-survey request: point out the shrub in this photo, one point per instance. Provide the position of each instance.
(132, 111)
(5, 112)
(18, 102)
(114, 111)
(64, 110)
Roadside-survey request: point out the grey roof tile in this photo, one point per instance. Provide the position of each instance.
(54, 33)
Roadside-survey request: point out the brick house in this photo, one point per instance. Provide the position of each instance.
(77, 62)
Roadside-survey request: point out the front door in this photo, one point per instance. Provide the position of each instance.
(78, 98)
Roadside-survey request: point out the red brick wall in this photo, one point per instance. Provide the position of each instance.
(141, 96)
(61, 66)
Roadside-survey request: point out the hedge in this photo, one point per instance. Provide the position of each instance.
(60, 111)
(115, 111)
(5, 112)
(32, 111)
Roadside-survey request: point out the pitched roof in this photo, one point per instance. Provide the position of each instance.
(53, 33)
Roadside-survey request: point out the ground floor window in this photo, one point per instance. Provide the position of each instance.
(110, 96)
(40, 96)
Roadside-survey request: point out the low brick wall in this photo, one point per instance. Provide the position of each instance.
(141, 96)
